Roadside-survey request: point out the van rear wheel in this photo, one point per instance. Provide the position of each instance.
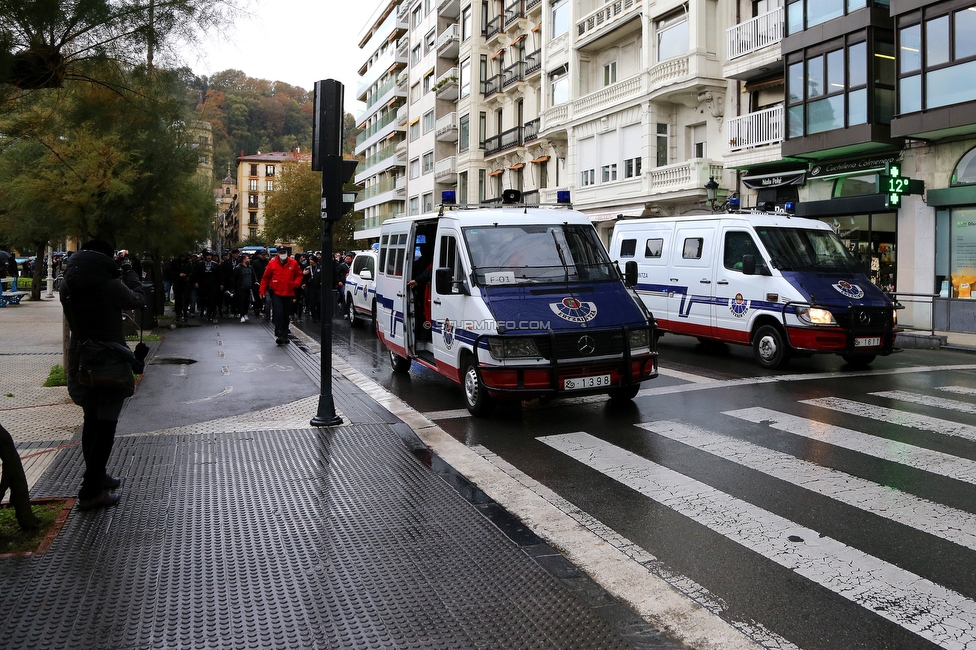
(354, 321)
(623, 393)
(769, 347)
(399, 364)
(476, 397)
(376, 327)
(859, 360)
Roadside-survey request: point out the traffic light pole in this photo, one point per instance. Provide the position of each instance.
(326, 415)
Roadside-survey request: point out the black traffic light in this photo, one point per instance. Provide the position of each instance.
(336, 201)
(327, 150)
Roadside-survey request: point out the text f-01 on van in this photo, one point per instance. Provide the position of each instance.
(511, 303)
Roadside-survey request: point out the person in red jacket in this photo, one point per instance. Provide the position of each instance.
(281, 277)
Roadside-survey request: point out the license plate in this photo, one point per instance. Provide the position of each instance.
(867, 342)
(580, 383)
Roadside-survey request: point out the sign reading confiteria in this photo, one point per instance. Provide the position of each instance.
(850, 166)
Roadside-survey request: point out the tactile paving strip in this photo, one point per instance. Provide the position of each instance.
(287, 539)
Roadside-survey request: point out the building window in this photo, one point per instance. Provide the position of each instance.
(252, 185)
(462, 191)
(699, 137)
(484, 17)
(414, 206)
(483, 73)
(252, 232)
(558, 88)
(415, 93)
(662, 144)
(416, 16)
(672, 36)
(428, 162)
(610, 73)
(543, 173)
(428, 81)
(937, 61)
(803, 14)
(429, 40)
(252, 200)
(463, 133)
(482, 129)
(587, 177)
(415, 168)
(254, 170)
(428, 201)
(269, 170)
(269, 186)
(415, 55)
(482, 183)
(608, 173)
(414, 130)
(465, 78)
(429, 121)
(560, 18)
(466, 23)
(632, 167)
(252, 218)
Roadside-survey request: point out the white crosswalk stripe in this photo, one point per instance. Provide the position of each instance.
(928, 460)
(927, 516)
(893, 416)
(929, 610)
(927, 400)
(961, 390)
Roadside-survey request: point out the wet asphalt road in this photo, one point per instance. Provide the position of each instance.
(818, 507)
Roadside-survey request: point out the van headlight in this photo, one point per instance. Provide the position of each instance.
(515, 347)
(815, 316)
(638, 338)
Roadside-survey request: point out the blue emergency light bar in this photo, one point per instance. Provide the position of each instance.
(734, 203)
(790, 207)
(449, 197)
(562, 196)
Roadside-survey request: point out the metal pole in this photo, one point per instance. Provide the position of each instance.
(326, 415)
(50, 272)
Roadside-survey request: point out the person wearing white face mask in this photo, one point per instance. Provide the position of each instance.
(281, 277)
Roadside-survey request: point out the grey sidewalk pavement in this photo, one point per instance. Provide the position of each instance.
(242, 526)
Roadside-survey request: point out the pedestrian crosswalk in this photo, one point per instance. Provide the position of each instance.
(752, 439)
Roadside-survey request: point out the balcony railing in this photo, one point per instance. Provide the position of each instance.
(755, 34)
(529, 4)
(756, 129)
(445, 170)
(446, 128)
(401, 185)
(608, 96)
(513, 73)
(387, 118)
(492, 85)
(378, 157)
(533, 62)
(380, 92)
(607, 15)
(403, 115)
(376, 220)
(503, 141)
(448, 40)
(377, 189)
(514, 11)
(494, 26)
(531, 130)
(688, 175)
(446, 86)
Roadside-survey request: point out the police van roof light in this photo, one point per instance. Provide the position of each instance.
(734, 203)
(790, 207)
(449, 197)
(562, 196)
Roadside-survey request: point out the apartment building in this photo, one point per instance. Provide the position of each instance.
(256, 178)
(382, 142)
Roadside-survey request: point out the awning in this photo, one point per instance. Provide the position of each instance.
(762, 85)
(540, 159)
(496, 172)
(414, 121)
(537, 27)
(517, 166)
(774, 179)
(517, 40)
(497, 54)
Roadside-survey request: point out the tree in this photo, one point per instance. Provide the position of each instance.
(293, 212)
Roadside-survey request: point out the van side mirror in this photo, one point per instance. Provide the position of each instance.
(749, 264)
(630, 273)
(365, 275)
(444, 280)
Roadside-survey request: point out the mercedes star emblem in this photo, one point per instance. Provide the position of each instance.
(586, 345)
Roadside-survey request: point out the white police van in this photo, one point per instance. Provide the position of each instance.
(360, 288)
(782, 284)
(511, 302)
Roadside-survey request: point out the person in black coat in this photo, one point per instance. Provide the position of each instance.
(93, 294)
(206, 280)
(243, 283)
(313, 288)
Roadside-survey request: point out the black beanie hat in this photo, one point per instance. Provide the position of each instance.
(99, 246)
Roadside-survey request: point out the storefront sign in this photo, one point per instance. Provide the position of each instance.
(848, 167)
(763, 181)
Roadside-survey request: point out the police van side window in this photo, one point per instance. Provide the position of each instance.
(383, 241)
(628, 247)
(450, 259)
(692, 250)
(371, 266)
(653, 248)
(400, 254)
(738, 244)
(358, 264)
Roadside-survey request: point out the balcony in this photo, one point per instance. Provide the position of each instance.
(608, 97)
(374, 190)
(401, 151)
(493, 27)
(531, 131)
(446, 128)
(688, 177)
(403, 114)
(531, 4)
(449, 41)
(606, 19)
(445, 170)
(503, 141)
(401, 186)
(747, 45)
(513, 11)
(448, 8)
(403, 48)
(533, 63)
(492, 85)
(385, 120)
(513, 73)
(446, 86)
(757, 129)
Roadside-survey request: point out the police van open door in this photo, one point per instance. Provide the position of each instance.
(392, 300)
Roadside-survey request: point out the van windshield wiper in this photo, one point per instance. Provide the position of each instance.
(562, 258)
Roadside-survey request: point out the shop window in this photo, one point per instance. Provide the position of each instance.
(856, 185)
(872, 239)
(965, 171)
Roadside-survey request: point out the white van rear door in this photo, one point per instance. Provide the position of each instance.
(391, 289)
(690, 280)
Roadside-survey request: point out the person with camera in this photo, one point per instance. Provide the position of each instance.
(94, 292)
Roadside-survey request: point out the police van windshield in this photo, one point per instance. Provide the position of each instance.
(514, 254)
(803, 249)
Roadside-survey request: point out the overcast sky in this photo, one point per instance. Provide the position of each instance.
(295, 41)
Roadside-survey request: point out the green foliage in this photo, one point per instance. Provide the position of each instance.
(56, 377)
(13, 539)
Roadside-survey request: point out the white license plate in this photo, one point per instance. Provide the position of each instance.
(580, 383)
(867, 342)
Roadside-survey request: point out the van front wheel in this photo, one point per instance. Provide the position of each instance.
(399, 364)
(476, 397)
(623, 393)
(770, 347)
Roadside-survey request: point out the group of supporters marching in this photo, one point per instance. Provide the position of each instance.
(279, 286)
